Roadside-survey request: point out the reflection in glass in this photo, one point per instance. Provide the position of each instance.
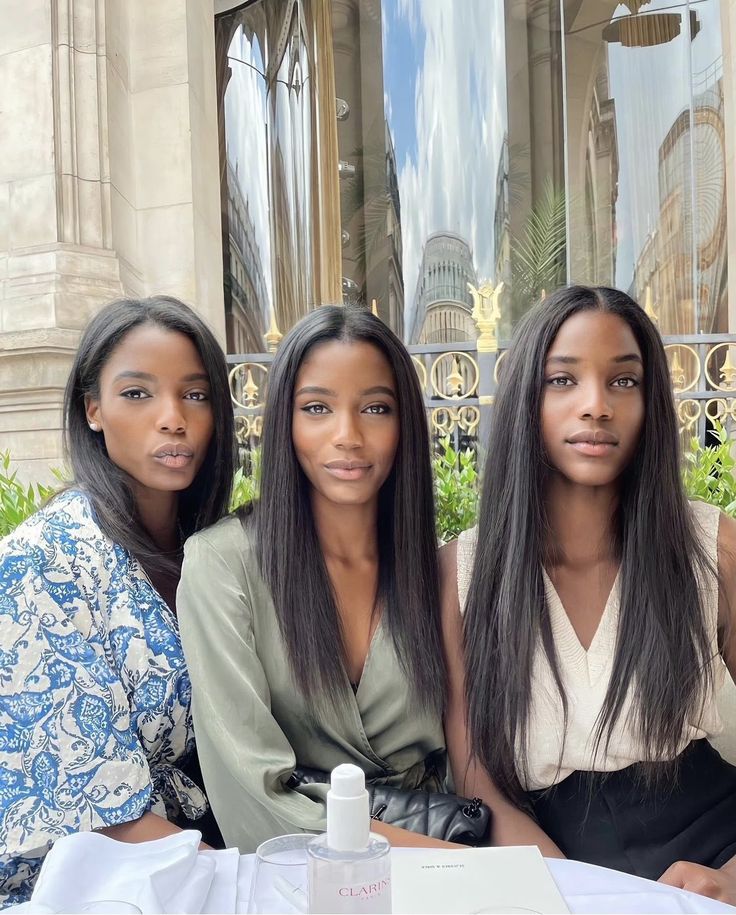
(646, 165)
(278, 180)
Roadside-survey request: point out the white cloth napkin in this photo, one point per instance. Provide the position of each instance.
(162, 876)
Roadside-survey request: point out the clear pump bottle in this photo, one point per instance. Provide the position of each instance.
(349, 867)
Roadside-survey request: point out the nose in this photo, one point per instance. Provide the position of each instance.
(171, 417)
(347, 431)
(595, 401)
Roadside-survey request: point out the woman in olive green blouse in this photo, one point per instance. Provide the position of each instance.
(310, 621)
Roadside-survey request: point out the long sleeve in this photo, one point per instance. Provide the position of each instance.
(70, 758)
(244, 754)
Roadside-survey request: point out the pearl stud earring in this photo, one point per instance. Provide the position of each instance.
(95, 427)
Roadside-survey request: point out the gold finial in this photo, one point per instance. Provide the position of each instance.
(648, 307)
(486, 314)
(454, 381)
(250, 389)
(374, 308)
(728, 371)
(273, 336)
(677, 373)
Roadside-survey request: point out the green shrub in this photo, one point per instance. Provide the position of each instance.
(709, 471)
(17, 501)
(247, 481)
(455, 489)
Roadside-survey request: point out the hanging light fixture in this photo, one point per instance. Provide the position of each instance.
(647, 30)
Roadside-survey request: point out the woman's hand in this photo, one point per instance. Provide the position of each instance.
(708, 881)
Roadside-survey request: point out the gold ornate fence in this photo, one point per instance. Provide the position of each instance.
(459, 380)
(459, 384)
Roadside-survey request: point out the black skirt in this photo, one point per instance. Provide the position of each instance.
(619, 820)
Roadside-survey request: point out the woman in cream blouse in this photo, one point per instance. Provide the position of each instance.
(598, 609)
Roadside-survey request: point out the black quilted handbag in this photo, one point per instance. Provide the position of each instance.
(441, 816)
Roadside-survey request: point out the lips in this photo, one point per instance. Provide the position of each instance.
(593, 437)
(348, 470)
(174, 456)
(593, 442)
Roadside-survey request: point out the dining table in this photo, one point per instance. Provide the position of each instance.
(586, 888)
(174, 875)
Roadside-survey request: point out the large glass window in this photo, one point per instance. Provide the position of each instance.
(394, 152)
(646, 159)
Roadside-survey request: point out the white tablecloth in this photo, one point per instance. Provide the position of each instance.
(586, 888)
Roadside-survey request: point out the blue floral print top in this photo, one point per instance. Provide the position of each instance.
(94, 692)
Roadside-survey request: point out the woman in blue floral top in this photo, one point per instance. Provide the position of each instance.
(95, 724)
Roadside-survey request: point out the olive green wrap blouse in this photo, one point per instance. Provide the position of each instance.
(251, 721)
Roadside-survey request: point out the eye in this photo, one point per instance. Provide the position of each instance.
(560, 381)
(315, 409)
(197, 396)
(626, 383)
(135, 394)
(377, 409)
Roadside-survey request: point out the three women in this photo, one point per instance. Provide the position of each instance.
(597, 601)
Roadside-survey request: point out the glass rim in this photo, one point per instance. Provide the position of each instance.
(293, 841)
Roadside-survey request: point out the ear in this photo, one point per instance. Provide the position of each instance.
(92, 411)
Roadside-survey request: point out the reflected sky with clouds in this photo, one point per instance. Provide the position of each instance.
(245, 119)
(444, 83)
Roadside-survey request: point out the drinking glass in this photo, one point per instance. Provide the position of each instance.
(109, 907)
(280, 875)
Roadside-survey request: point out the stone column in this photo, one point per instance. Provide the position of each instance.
(56, 259)
(109, 185)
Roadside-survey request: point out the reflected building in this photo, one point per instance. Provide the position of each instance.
(246, 296)
(593, 165)
(394, 296)
(442, 302)
(502, 219)
(686, 249)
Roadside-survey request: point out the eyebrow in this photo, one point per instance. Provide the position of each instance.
(326, 392)
(145, 376)
(572, 360)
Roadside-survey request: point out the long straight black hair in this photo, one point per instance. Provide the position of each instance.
(662, 650)
(290, 557)
(107, 485)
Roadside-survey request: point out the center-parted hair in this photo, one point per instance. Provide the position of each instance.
(107, 485)
(662, 652)
(290, 557)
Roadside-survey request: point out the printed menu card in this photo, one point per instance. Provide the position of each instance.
(473, 880)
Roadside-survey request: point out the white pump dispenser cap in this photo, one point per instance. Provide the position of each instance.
(348, 811)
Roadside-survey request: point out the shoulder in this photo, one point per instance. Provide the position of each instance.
(449, 587)
(726, 545)
(61, 525)
(229, 545)
(717, 531)
(229, 538)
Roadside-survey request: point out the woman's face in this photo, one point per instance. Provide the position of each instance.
(154, 409)
(345, 423)
(593, 398)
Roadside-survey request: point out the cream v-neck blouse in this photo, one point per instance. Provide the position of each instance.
(253, 725)
(554, 753)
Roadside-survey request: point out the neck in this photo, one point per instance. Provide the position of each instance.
(347, 533)
(159, 513)
(581, 523)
